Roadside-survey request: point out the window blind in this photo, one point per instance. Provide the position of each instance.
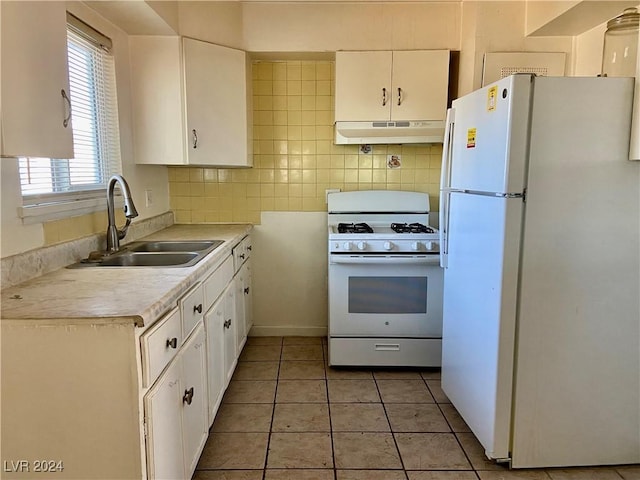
(94, 120)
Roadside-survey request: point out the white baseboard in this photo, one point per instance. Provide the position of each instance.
(287, 331)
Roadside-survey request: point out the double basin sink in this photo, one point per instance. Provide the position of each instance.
(167, 253)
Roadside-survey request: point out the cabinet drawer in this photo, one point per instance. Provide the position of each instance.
(217, 282)
(160, 345)
(385, 352)
(241, 252)
(192, 309)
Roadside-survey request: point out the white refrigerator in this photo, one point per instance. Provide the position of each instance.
(540, 241)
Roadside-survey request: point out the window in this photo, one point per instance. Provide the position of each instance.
(94, 119)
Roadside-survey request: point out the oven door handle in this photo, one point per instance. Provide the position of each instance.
(383, 260)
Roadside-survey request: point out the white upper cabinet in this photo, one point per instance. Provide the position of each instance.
(191, 102)
(398, 85)
(217, 104)
(156, 84)
(35, 113)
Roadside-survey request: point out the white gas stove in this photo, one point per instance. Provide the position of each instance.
(385, 282)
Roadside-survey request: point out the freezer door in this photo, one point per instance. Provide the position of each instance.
(490, 137)
(479, 314)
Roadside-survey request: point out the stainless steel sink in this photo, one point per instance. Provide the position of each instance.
(173, 246)
(151, 259)
(155, 253)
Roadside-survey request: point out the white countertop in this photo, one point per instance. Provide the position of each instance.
(137, 295)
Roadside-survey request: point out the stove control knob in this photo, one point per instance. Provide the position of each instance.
(430, 246)
(416, 246)
(347, 245)
(362, 245)
(388, 245)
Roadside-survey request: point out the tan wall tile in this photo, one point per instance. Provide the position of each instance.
(295, 159)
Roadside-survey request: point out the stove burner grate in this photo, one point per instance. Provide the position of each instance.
(411, 228)
(354, 228)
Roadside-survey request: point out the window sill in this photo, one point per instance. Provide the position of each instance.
(45, 212)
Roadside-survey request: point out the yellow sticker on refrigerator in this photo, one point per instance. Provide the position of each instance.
(492, 98)
(471, 138)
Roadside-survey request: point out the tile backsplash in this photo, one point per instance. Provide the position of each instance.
(295, 159)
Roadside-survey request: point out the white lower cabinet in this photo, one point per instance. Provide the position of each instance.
(163, 425)
(247, 297)
(229, 332)
(194, 399)
(243, 300)
(176, 412)
(148, 395)
(214, 323)
(241, 326)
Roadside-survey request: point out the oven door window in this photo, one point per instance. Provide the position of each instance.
(385, 299)
(391, 295)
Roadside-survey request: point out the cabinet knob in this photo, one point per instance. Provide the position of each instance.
(246, 290)
(241, 256)
(384, 97)
(172, 342)
(249, 248)
(198, 308)
(188, 396)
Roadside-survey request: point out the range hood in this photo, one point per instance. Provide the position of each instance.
(415, 131)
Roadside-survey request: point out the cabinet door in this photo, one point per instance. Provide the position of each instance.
(156, 86)
(363, 86)
(194, 398)
(241, 333)
(163, 420)
(420, 80)
(216, 372)
(248, 297)
(245, 300)
(229, 330)
(217, 104)
(34, 74)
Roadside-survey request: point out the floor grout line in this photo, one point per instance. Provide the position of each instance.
(264, 474)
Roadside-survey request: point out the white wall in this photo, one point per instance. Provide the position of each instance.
(289, 263)
(314, 27)
(588, 52)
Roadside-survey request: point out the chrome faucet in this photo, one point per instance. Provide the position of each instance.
(114, 235)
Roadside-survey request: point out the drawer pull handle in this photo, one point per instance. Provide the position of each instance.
(246, 290)
(173, 342)
(198, 308)
(388, 347)
(188, 396)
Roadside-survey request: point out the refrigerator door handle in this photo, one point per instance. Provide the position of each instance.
(444, 228)
(447, 149)
(445, 184)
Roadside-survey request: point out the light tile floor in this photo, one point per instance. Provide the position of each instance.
(286, 415)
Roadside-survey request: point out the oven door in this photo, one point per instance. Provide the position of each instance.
(385, 295)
